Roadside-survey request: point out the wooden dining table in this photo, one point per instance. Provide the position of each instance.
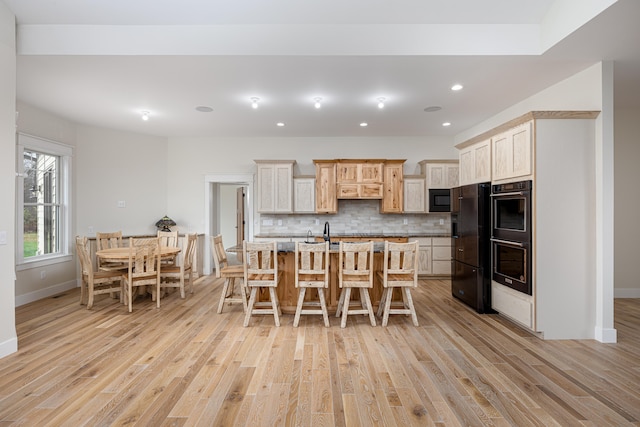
(121, 254)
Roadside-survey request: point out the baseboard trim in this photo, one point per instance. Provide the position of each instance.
(606, 335)
(45, 293)
(626, 293)
(8, 347)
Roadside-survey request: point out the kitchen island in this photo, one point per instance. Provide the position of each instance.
(288, 294)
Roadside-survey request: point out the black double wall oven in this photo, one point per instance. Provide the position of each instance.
(511, 235)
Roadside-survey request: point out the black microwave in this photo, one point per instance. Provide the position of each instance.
(439, 200)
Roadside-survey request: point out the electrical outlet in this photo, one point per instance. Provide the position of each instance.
(405, 221)
(317, 221)
(43, 274)
(441, 221)
(122, 204)
(279, 222)
(267, 222)
(90, 229)
(3, 237)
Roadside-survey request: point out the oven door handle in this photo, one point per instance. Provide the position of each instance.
(515, 193)
(507, 242)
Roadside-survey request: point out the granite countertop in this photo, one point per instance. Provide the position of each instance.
(372, 234)
(291, 247)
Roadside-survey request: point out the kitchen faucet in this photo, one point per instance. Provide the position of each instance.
(325, 234)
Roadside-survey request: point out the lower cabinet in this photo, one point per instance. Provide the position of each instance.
(434, 258)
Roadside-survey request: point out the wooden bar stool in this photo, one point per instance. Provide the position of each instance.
(400, 271)
(355, 270)
(261, 271)
(311, 271)
(230, 274)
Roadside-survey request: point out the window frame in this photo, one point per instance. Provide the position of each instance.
(64, 152)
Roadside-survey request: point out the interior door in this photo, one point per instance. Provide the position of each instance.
(240, 223)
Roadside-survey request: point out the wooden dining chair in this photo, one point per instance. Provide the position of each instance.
(95, 282)
(173, 276)
(168, 238)
(143, 269)
(261, 271)
(311, 271)
(105, 241)
(355, 270)
(400, 270)
(232, 274)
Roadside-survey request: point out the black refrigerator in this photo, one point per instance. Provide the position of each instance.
(471, 245)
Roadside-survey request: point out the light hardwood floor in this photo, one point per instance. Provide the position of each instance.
(183, 364)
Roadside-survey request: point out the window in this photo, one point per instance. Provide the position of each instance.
(43, 200)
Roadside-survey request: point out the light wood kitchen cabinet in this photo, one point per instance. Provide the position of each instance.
(434, 258)
(511, 153)
(304, 194)
(441, 174)
(392, 200)
(360, 179)
(414, 194)
(326, 197)
(475, 163)
(424, 255)
(441, 256)
(275, 186)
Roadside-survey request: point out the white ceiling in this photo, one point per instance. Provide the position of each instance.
(102, 63)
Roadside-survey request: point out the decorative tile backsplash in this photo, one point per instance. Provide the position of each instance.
(356, 216)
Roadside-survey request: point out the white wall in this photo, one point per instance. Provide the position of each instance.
(193, 158)
(627, 203)
(8, 337)
(113, 166)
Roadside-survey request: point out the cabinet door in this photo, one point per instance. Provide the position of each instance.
(392, 200)
(370, 173)
(284, 188)
(467, 164)
(424, 260)
(304, 195)
(347, 173)
(452, 172)
(482, 161)
(512, 153)
(326, 199)
(414, 195)
(266, 188)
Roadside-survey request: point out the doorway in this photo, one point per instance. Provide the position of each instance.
(228, 211)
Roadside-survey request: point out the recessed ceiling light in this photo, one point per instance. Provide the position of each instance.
(254, 102)
(145, 115)
(445, 124)
(204, 109)
(432, 109)
(456, 87)
(381, 101)
(280, 124)
(317, 102)
(364, 124)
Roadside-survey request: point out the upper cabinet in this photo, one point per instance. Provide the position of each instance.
(414, 194)
(275, 186)
(475, 163)
(512, 153)
(326, 198)
(441, 173)
(360, 179)
(304, 194)
(393, 187)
